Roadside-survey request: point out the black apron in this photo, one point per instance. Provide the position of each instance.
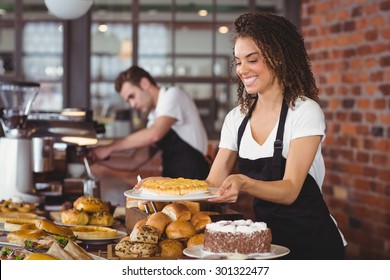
(179, 159)
(305, 226)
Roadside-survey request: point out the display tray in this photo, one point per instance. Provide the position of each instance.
(197, 252)
(197, 196)
(112, 256)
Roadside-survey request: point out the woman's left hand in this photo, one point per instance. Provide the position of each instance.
(230, 189)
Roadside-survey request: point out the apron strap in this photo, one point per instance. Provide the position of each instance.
(244, 122)
(278, 144)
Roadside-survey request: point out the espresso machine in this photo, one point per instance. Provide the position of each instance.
(16, 148)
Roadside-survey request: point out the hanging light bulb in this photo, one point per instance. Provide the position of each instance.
(69, 9)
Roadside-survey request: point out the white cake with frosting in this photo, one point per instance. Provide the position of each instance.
(240, 236)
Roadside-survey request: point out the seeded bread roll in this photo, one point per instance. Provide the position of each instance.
(128, 249)
(74, 217)
(159, 221)
(177, 211)
(101, 219)
(91, 204)
(145, 234)
(170, 248)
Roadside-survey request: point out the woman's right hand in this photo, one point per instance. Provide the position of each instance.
(229, 190)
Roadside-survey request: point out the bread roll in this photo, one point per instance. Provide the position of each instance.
(180, 230)
(170, 248)
(101, 219)
(159, 221)
(74, 217)
(177, 211)
(197, 239)
(52, 228)
(140, 223)
(145, 234)
(19, 236)
(199, 220)
(192, 206)
(16, 224)
(90, 204)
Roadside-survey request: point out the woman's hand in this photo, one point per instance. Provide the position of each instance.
(230, 189)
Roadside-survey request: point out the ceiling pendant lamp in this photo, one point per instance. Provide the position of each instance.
(68, 9)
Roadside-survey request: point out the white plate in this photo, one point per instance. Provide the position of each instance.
(116, 223)
(107, 240)
(197, 251)
(138, 194)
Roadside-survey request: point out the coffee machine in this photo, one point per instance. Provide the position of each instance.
(16, 162)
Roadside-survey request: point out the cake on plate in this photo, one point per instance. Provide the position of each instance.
(177, 186)
(240, 236)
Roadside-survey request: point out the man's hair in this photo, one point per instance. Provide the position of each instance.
(134, 74)
(284, 52)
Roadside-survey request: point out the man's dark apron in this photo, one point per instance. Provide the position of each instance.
(179, 159)
(305, 227)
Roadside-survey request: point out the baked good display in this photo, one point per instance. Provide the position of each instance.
(94, 232)
(145, 234)
(101, 219)
(181, 230)
(177, 211)
(74, 216)
(240, 236)
(159, 221)
(170, 248)
(90, 204)
(177, 186)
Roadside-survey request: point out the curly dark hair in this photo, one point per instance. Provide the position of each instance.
(134, 74)
(284, 52)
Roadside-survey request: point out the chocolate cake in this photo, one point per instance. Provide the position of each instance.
(241, 236)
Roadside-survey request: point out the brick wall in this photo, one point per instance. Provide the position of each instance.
(349, 44)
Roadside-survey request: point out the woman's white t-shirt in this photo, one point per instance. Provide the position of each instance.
(176, 103)
(305, 119)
